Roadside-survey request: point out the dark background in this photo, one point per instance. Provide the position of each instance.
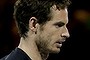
(76, 47)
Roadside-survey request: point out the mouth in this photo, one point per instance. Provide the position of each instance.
(59, 43)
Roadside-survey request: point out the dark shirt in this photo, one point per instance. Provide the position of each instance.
(16, 54)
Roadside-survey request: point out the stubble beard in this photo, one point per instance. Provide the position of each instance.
(42, 47)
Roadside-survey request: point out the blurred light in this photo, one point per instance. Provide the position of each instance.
(81, 15)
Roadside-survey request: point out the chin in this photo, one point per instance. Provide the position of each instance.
(55, 50)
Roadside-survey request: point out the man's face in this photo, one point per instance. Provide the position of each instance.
(54, 31)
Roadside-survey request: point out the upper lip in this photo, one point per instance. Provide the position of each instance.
(61, 41)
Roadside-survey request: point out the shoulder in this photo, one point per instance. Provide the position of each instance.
(16, 54)
(4, 58)
(7, 57)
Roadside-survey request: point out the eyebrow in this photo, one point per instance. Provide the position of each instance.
(59, 23)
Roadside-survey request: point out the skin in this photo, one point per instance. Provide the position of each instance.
(48, 38)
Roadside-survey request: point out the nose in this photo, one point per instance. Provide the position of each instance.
(66, 33)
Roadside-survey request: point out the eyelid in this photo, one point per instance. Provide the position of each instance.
(59, 24)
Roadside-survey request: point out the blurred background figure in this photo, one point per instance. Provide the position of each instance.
(77, 46)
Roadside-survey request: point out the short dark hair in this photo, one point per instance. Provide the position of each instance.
(25, 9)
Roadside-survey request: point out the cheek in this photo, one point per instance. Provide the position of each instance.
(47, 37)
(56, 34)
(52, 34)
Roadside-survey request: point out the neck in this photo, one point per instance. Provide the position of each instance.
(30, 48)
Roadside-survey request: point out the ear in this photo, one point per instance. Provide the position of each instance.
(33, 24)
(54, 7)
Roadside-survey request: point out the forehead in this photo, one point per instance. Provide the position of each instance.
(59, 15)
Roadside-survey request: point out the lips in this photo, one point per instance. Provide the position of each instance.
(60, 41)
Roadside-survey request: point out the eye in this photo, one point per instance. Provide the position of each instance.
(59, 24)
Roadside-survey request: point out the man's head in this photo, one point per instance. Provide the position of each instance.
(24, 10)
(45, 20)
